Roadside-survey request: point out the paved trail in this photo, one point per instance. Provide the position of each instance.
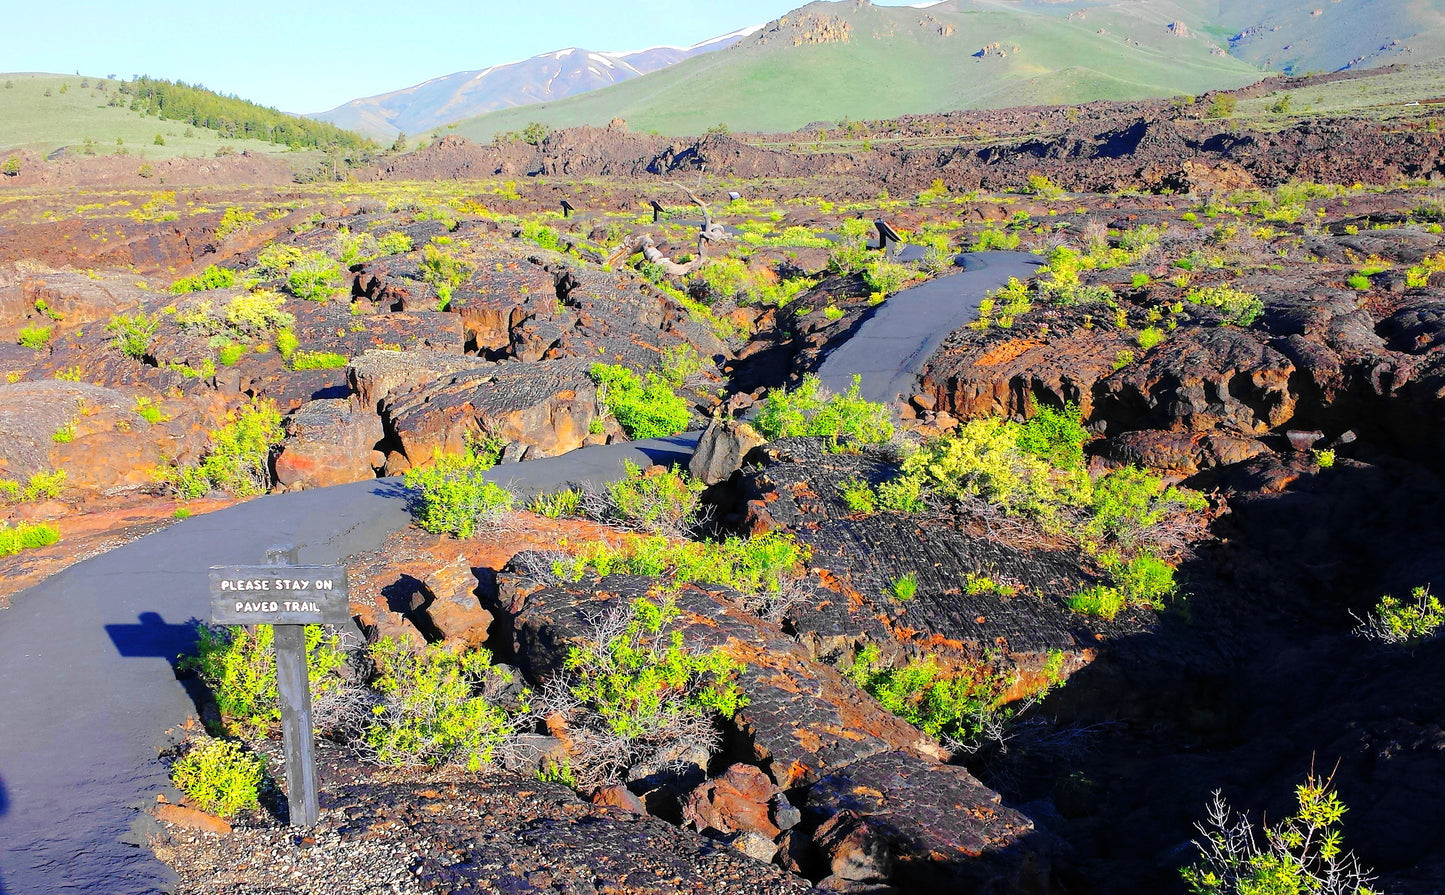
(890, 348)
(87, 688)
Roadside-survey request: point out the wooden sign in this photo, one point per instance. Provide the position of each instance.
(288, 596)
(279, 595)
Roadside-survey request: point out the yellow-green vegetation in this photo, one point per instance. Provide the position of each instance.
(567, 502)
(133, 332)
(905, 587)
(1419, 275)
(656, 500)
(1235, 306)
(640, 687)
(64, 435)
(1404, 622)
(26, 536)
(1303, 853)
(805, 411)
(230, 353)
(318, 360)
(749, 565)
(1036, 470)
(438, 706)
(248, 316)
(219, 776)
(238, 664)
(444, 271)
(1002, 305)
(962, 708)
(314, 277)
(454, 495)
(645, 407)
(993, 239)
(858, 496)
(1043, 187)
(355, 248)
(36, 337)
(212, 277)
(1324, 458)
(239, 455)
(42, 484)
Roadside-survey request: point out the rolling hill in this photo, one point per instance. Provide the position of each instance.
(827, 61)
(50, 113)
(547, 76)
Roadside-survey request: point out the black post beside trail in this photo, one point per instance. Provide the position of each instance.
(288, 596)
(567, 208)
(657, 211)
(888, 238)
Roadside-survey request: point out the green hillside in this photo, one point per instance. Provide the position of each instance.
(828, 61)
(88, 115)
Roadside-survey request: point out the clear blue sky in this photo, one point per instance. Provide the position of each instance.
(313, 55)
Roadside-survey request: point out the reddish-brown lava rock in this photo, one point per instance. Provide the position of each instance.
(328, 442)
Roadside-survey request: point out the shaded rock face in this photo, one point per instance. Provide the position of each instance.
(721, 449)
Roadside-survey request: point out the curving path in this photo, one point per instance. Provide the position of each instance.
(88, 695)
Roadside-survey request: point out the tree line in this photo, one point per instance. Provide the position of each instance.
(230, 115)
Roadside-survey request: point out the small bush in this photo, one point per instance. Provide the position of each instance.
(806, 412)
(749, 565)
(1235, 306)
(887, 277)
(993, 239)
(1149, 337)
(645, 408)
(454, 494)
(219, 777)
(230, 354)
(555, 506)
(1043, 187)
(1403, 623)
(858, 496)
(277, 259)
(1300, 854)
(1359, 282)
(133, 333)
(318, 360)
(239, 457)
(438, 706)
(904, 588)
(212, 277)
(1098, 600)
(656, 500)
(314, 277)
(26, 536)
(1324, 458)
(238, 665)
(36, 337)
(642, 694)
(958, 710)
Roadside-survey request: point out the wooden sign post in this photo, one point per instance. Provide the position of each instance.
(288, 596)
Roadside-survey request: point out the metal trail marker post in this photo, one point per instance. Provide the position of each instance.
(288, 596)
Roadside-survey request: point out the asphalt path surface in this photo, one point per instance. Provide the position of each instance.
(890, 347)
(88, 691)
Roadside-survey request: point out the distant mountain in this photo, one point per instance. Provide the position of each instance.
(545, 77)
(828, 61)
(1299, 36)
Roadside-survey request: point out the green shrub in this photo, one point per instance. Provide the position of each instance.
(234, 220)
(36, 337)
(1055, 436)
(219, 777)
(1235, 306)
(277, 259)
(1324, 458)
(958, 710)
(656, 500)
(26, 536)
(642, 692)
(805, 412)
(1143, 580)
(1359, 282)
(239, 456)
(992, 239)
(858, 496)
(1126, 502)
(749, 565)
(645, 408)
(133, 333)
(1099, 600)
(230, 353)
(887, 277)
(1301, 854)
(314, 277)
(318, 360)
(286, 343)
(454, 494)
(1043, 187)
(1404, 622)
(555, 506)
(544, 236)
(904, 588)
(680, 362)
(148, 410)
(238, 665)
(1221, 107)
(1149, 337)
(438, 706)
(64, 435)
(393, 243)
(444, 271)
(212, 277)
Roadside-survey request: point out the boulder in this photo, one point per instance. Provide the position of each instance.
(721, 449)
(328, 442)
(736, 802)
